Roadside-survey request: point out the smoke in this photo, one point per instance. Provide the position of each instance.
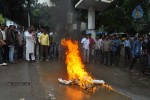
(60, 17)
(63, 16)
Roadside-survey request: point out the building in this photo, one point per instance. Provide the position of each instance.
(92, 6)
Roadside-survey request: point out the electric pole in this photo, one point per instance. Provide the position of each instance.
(29, 12)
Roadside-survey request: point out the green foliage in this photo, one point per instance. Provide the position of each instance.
(2, 19)
(16, 10)
(118, 16)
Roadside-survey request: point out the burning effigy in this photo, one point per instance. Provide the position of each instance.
(75, 68)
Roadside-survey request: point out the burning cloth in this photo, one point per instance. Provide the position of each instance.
(70, 82)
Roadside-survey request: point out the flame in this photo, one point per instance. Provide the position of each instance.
(76, 70)
(75, 67)
(108, 87)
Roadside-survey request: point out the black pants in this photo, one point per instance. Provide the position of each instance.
(1, 55)
(144, 62)
(20, 51)
(113, 57)
(127, 53)
(5, 52)
(134, 60)
(44, 52)
(106, 57)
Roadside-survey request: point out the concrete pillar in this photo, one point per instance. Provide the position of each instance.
(91, 18)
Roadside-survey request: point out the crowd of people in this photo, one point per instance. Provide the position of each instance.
(17, 44)
(107, 50)
(30, 44)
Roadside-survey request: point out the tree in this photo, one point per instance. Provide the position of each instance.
(2, 19)
(118, 16)
(15, 10)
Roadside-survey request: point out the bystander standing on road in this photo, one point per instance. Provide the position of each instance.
(19, 48)
(53, 50)
(91, 48)
(100, 59)
(30, 45)
(1, 50)
(5, 47)
(106, 46)
(113, 56)
(39, 32)
(136, 52)
(86, 42)
(127, 49)
(144, 58)
(148, 51)
(96, 49)
(12, 41)
(44, 43)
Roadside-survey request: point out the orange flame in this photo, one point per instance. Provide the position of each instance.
(75, 67)
(108, 87)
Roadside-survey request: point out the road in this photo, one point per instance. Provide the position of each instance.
(43, 84)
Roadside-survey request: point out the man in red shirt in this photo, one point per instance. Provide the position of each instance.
(91, 47)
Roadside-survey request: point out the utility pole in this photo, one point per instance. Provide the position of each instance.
(69, 19)
(29, 12)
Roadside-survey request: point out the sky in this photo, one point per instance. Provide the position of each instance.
(44, 1)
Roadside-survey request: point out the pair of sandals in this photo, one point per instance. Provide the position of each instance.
(145, 73)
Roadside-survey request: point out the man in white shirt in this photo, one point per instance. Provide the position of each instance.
(86, 43)
(30, 44)
(5, 47)
(1, 50)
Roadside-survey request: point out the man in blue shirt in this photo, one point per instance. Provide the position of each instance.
(127, 48)
(136, 51)
(114, 46)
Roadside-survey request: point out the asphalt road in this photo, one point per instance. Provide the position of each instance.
(38, 81)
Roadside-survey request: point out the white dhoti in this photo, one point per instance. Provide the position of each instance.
(30, 45)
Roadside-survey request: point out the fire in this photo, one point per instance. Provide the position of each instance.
(108, 87)
(75, 67)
